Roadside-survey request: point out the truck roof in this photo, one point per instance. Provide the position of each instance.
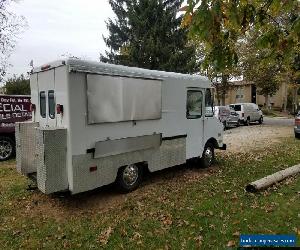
(77, 65)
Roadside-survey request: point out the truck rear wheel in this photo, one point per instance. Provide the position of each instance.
(7, 148)
(129, 177)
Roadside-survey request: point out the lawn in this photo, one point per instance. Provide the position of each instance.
(180, 208)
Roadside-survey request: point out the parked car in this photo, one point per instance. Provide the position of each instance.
(297, 125)
(248, 112)
(227, 116)
(234, 118)
(13, 108)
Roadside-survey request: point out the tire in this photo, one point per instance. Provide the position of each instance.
(7, 148)
(224, 126)
(208, 155)
(247, 122)
(129, 177)
(261, 120)
(297, 135)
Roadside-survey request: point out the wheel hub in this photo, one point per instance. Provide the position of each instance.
(130, 174)
(5, 150)
(208, 155)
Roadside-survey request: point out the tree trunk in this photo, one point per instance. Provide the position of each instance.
(267, 100)
(224, 87)
(223, 99)
(295, 99)
(273, 178)
(285, 98)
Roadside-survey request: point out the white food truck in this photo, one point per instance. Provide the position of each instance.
(94, 124)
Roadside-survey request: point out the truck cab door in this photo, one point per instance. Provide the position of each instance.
(194, 122)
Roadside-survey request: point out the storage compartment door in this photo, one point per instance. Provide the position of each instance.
(51, 160)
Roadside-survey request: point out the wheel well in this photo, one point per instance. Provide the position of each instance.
(10, 135)
(213, 141)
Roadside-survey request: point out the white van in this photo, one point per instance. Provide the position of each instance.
(96, 123)
(248, 112)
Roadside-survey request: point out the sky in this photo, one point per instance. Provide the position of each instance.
(59, 27)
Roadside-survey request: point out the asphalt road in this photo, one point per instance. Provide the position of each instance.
(278, 121)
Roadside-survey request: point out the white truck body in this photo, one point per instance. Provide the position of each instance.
(109, 116)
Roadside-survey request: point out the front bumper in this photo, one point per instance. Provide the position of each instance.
(232, 123)
(297, 130)
(224, 147)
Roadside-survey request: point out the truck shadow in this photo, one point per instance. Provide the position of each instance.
(108, 197)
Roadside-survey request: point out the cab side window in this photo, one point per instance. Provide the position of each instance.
(43, 104)
(194, 104)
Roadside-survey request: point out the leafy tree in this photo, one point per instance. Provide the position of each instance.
(147, 34)
(17, 85)
(221, 25)
(10, 26)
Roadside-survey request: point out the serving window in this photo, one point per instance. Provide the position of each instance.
(116, 99)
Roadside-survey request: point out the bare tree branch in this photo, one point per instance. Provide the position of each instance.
(11, 25)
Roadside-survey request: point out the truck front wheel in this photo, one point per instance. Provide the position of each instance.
(208, 155)
(7, 148)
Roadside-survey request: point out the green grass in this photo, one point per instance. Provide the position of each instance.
(270, 113)
(180, 208)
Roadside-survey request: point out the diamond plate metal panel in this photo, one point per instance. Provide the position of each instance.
(51, 161)
(25, 147)
(170, 153)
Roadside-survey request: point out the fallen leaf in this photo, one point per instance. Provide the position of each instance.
(210, 213)
(104, 236)
(231, 243)
(199, 240)
(236, 233)
(136, 236)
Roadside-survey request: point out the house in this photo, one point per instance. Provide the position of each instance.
(244, 91)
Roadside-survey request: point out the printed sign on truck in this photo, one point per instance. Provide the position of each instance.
(13, 109)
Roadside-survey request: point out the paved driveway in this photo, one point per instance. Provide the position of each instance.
(278, 121)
